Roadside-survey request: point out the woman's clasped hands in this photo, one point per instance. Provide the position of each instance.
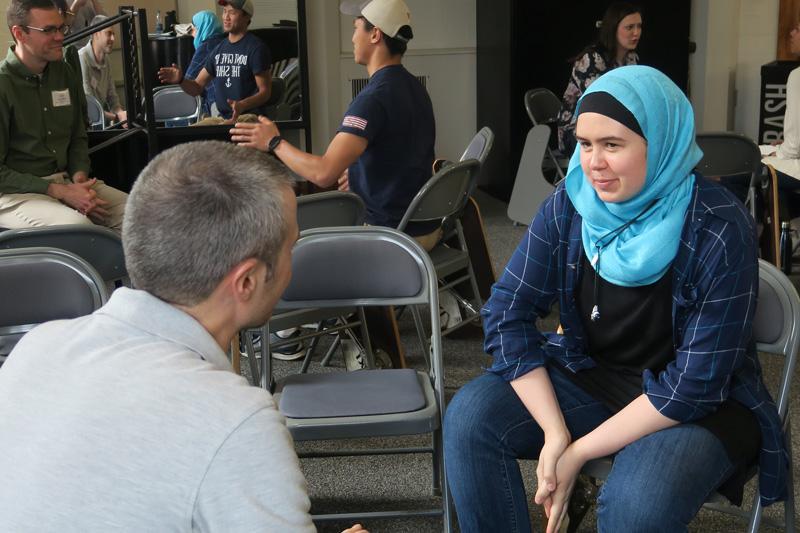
(558, 468)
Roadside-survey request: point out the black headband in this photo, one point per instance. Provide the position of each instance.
(603, 103)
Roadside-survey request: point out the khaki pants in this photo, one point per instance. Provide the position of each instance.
(427, 241)
(31, 210)
(430, 240)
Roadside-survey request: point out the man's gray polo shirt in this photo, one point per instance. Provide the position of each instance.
(130, 419)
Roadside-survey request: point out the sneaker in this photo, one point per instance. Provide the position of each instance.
(353, 356)
(289, 352)
(449, 310)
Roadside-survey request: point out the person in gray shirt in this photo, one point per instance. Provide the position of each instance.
(131, 419)
(96, 72)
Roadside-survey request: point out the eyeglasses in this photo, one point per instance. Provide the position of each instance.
(51, 30)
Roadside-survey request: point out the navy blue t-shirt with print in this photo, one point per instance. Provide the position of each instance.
(394, 113)
(233, 67)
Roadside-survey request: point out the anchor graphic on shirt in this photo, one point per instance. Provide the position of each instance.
(227, 82)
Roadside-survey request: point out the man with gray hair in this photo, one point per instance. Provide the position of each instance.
(96, 72)
(131, 418)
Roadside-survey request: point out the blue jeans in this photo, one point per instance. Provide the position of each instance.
(657, 483)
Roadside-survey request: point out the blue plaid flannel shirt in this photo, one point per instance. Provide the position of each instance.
(715, 288)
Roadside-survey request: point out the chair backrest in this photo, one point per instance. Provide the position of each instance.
(332, 208)
(363, 266)
(542, 106)
(98, 246)
(97, 119)
(776, 325)
(728, 154)
(42, 284)
(171, 103)
(444, 195)
(530, 186)
(277, 91)
(480, 146)
(291, 74)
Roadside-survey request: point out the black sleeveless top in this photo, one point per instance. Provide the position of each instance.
(633, 332)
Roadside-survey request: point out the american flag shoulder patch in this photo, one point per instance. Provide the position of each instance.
(353, 121)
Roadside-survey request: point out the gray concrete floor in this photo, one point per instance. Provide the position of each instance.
(372, 483)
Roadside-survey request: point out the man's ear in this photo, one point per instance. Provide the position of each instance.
(375, 35)
(18, 33)
(245, 277)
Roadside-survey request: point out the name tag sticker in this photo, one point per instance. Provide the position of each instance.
(61, 98)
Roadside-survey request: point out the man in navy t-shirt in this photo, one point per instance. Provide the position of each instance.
(385, 140)
(239, 66)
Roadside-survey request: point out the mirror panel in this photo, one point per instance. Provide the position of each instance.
(277, 22)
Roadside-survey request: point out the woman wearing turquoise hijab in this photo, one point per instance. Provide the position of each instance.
(655, 272)
(207, 32)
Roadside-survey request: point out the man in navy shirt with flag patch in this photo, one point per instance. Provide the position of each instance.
(383, 149)
(238, 66)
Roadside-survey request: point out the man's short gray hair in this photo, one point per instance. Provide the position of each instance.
(196, 211)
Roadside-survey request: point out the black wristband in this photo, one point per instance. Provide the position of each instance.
(273, 143)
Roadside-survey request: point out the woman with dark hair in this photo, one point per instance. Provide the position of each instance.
(620, 31)
(655, 272)
(207, 33)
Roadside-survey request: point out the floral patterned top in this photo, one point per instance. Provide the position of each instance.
(590, 66)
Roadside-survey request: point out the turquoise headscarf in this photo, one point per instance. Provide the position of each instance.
(206, 25)
(642, 252)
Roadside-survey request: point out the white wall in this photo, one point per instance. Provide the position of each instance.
(758, 32)
(734, 38)
(322, 30)
(5, 35)
(268, 12)
(187, 8)
(444, 52)
(712, 69)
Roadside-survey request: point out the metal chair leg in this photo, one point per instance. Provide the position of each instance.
(266, 360)
(362, 317)
(420, 327)
(334, 345)
(436, 464)
(310, 350)
(788, 505)
(255, 374)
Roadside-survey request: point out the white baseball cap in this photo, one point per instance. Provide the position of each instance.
(244, 5)
(387, 15)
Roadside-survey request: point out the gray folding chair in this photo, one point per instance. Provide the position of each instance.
(479, 148)
(319, 210)
(173, 106)
(98, 246)
(329, 209)
(442, 198)
(97, 119)
(42, 284)
(776, 329)
(274, 109)
(734, 158)
(543, 107)
(480, 145)
(530, 187)
(292, 97)
(367, 266)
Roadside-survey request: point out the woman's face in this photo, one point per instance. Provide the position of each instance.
(629, 31)
(613, 157)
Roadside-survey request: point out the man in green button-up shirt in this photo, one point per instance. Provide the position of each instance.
(44, 161)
